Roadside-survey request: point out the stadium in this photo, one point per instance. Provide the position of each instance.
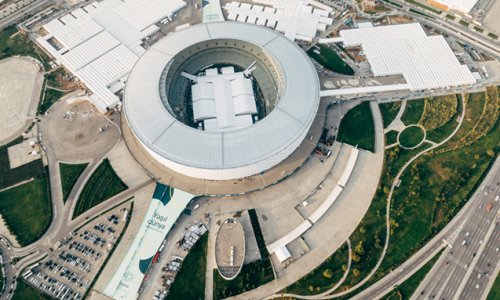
(221, 101)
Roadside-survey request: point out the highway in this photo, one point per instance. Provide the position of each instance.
(471, 259)
(470, 218)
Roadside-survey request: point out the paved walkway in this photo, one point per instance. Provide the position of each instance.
(397, 124)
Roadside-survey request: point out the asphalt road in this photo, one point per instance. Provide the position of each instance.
(470, 261)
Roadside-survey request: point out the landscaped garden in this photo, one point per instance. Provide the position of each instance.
(323, 277)
(411, 137)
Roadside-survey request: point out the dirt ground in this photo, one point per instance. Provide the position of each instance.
(77, 131)
(21, 82)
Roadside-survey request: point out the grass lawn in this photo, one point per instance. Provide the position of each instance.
(464, 23)
(49, 98)
(493, 36)
(330, 60)
(24, 291)
(411, 136)
(439, 134)
(27, 210)
(69, 176)
(407, 288)
(357, 129)
(253, 274)
(494, 293)
(323, 277)
(190, 281)
(389, 111)
(9, 177)
(19, 44)
(391, 137)
(102, 185)
(413, 112)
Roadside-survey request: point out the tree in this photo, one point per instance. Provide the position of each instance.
(356, 272)
(328, 273)
(359, 248)
(355, 257)
(344, 268)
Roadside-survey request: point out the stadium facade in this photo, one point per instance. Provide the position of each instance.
(221, 101)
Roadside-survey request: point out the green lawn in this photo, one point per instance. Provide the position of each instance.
(493, 36)
(494, 293)
(49, 98)
(451, 17)
(391, 137)
(478, 29)
(411, 136)
(330, 60)
(439, 134)
(323, 277)
(419, 12)
(24, 291)
(27, 210)
(19, 44)
(464, 23)
(253, 274)
(9, 177)
(102, 185)
(389, 111)
(190, 281)
(407, 288)
(357, 129)
(413, 112)
(69, 176)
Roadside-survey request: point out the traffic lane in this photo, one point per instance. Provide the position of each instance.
(461, 255)
(477, 283)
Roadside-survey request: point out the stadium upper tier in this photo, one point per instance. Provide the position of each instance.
(157, 100)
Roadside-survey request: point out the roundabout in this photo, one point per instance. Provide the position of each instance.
(411, 137)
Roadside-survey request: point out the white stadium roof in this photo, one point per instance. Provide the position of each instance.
(101, 42)
(229, 154)
(426, 62)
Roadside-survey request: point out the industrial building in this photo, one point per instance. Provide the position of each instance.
(242, 97)
(426, 62)
(296, 19)
(100, 42)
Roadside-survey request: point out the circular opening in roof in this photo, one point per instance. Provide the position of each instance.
(226, 82)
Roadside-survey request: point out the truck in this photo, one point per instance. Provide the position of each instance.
(489, 206)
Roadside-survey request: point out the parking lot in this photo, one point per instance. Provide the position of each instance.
(69, 270)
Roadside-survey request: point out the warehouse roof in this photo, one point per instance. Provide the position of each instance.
(101, 42)
(426, 62)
